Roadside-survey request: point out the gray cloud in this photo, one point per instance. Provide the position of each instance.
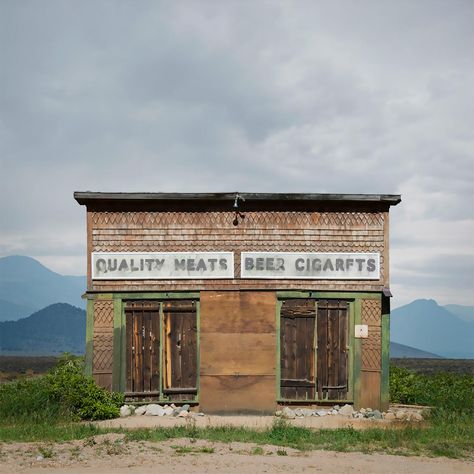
(260, 96)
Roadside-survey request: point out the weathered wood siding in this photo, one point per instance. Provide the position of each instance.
(103, 342)
(259, 230)
(238, 352)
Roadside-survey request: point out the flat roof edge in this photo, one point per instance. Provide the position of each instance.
(83, 197)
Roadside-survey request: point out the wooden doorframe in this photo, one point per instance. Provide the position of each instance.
(353, 300)
(119, 366)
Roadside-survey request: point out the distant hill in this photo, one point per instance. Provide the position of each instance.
(55, 329)
(432, 328)
(466, 313)
(11, 311)
(400, 351)
(27, 286)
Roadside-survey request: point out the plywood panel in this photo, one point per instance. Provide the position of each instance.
(238, 312)
(370, 393)
(230, 354)
(237, 394)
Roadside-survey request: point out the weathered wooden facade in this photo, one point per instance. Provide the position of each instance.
(238, 303)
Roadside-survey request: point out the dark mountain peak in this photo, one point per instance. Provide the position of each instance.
(60, 327)
(60, 309)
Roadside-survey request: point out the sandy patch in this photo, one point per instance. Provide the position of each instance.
(109, 453)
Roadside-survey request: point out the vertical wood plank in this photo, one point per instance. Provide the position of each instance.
(322, 356)
(146, 351)
(155, 352)
(130, 351)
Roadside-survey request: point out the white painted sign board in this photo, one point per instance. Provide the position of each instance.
(311, 265)
(162, 265)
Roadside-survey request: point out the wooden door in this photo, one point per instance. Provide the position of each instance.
(297, 324)
(143, 348)
(332, 335)
(180, 349)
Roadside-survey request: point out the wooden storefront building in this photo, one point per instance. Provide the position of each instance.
(239, 302)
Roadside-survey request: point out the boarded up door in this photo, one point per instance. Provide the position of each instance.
(332, 333)
(297, 322)
(143, 348)
(301, 335)
(180, 349)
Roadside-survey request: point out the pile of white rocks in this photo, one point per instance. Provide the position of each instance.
(348, 411)
(154, 409)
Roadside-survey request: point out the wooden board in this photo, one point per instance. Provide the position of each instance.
(103, 380)
(238, 350)
(238, 394)
(370, 395)
(142, 346)
(332, 336)
(180, 348)
(238, 312)
(297, 324)
(246, 354)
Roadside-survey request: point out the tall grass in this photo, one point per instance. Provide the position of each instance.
(63, 394)
(451, 395)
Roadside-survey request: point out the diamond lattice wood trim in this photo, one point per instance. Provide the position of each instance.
(372, 346)
(103, 314)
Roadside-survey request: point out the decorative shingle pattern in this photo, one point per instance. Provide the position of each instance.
(372, 346)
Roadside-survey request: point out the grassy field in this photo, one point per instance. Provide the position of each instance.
(433, 366)
(17, 367)
(449, 432)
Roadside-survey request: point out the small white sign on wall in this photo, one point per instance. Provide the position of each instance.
(361, 331)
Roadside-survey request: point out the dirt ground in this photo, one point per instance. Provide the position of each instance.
(252, 422)
(109, 454)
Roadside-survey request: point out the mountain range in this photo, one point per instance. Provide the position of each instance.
(55, 329)
(34, 321)
(426, 325)
(27, 286)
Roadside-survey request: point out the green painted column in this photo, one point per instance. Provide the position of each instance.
(89, 336)
(385, 378)
(117, 367)
(357, 357)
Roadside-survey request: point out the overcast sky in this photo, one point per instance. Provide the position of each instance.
(347, 97)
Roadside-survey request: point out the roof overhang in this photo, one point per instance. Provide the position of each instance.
(86, 197)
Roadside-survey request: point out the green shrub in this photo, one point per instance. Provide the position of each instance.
(64, 393)
(444, 391)
(79, 396)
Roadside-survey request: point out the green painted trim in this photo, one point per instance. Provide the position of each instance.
(123, 344)
(117, 349)
(99, 296)
(357, 356)
(278, 351)
(323, 401)
(328, 295)
(385, 380)
(293, 294)
(315, 344)
(156, 295)
(345, 295)
(198, 349)
(89, 357)
(350, 349)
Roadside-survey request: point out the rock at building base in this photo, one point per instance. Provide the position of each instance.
(155, 410)
(346, 410)
(288, 413)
